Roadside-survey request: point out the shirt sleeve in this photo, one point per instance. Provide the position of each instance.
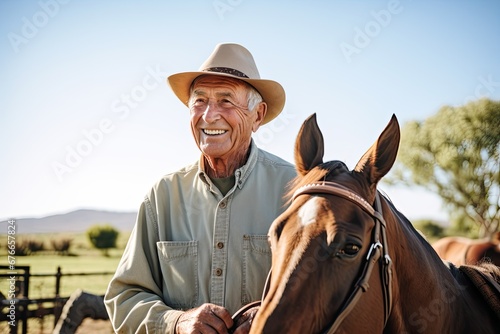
(134, 295)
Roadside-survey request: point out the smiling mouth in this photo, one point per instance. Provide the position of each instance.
(214, 132)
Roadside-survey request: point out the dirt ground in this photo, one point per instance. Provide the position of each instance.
(90, 326)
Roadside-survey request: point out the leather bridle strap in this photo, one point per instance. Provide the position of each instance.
(377, 248)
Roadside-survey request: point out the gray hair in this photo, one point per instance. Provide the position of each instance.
(253, 98)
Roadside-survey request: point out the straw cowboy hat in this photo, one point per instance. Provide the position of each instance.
(234, 61)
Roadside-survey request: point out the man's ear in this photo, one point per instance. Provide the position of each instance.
(261, 111)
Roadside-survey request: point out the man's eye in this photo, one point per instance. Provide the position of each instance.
(199, 103)
(226, 103)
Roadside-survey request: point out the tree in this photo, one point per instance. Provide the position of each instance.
(103, 237)
(456, 154)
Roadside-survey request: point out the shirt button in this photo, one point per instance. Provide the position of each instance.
(222, 205)
(218, 271)
(220, 245)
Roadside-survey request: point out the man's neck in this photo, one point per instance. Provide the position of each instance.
(219, 168)
(222, 168)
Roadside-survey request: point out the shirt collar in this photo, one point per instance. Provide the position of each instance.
(244, 171)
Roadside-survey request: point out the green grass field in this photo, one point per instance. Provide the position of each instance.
(82, 258)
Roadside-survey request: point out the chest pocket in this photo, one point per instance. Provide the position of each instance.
(179, 267)
(256, 265)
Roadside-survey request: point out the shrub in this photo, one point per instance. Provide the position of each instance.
(61, 245)
(103, 237)
(28, 247)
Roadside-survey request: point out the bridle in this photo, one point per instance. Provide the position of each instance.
(377, 249)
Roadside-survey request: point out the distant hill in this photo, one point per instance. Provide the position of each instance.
(75, 221)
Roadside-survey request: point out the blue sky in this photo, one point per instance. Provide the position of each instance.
(89, 122)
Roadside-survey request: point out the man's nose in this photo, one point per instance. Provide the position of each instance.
(212, 112)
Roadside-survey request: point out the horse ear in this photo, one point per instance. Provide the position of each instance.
(378, 160)
(309, 146)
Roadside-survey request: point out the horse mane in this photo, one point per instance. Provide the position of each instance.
(407, 223)
(406, 227)
(316, 174)
(490, 268)
(484, 266)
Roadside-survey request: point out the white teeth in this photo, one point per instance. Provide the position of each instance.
(214, 132)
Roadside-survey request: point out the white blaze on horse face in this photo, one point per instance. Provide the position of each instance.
(309, 211)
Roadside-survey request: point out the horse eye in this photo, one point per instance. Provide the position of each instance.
(349, 249)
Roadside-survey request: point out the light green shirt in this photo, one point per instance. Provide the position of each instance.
(192, 245)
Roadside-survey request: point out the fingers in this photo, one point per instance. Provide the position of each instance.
(223, 314)
(244, 328)
(245, 321)
(206, 319)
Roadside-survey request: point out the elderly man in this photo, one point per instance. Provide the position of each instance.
(199, 250)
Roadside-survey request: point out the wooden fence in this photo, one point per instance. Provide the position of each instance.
(21, 307)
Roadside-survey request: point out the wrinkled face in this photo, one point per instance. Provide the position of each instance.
(221, 123)
(318, 250)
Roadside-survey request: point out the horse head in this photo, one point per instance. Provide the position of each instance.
(345, 260)
(321, 243)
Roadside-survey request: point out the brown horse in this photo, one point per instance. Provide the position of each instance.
(460, 250)
(344, 260)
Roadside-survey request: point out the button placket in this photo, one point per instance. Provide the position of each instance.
(219, 258)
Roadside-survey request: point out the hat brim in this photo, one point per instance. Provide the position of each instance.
(272, 92)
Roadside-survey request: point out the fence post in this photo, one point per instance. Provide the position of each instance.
(57, 301)
(58, 281)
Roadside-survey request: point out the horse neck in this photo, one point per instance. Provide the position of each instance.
(413, 257)
(425, 292)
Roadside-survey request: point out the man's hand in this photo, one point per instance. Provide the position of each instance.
(243, 323)
(206, 319)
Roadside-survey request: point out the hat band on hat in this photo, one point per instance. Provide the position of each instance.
(226, 70)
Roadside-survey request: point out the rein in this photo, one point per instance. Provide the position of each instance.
(377, 248)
